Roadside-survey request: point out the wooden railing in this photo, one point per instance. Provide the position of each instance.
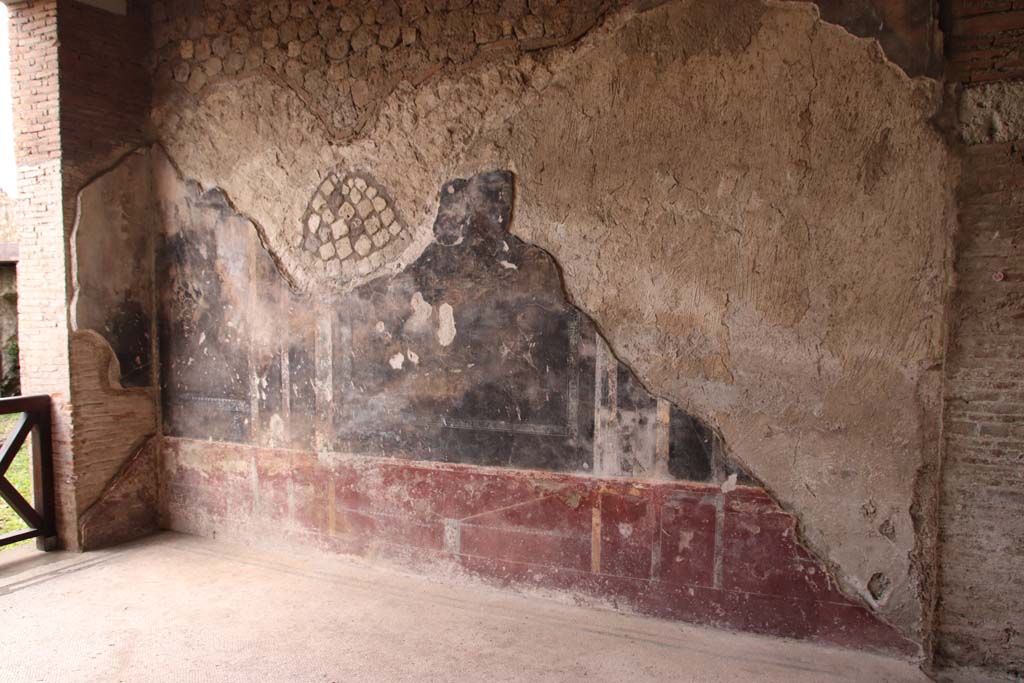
(41, 517)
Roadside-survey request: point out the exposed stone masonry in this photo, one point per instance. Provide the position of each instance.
(343, 57)
(351, 226)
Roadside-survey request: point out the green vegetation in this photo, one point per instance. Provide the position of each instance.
(20, 474)
(11, 385)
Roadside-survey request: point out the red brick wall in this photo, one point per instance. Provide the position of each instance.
(104, 89)
(985, 40)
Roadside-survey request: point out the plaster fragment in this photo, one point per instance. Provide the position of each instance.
(421, 310)
(397, 361)
(445, 325)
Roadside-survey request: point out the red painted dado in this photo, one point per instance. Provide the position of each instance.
(668, 549)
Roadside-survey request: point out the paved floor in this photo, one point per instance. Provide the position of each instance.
(178, 608)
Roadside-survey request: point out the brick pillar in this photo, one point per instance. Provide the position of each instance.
(981, 618)
(38, 213)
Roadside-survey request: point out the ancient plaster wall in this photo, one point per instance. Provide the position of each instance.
(113, 346)
(112, 260)
(470, 355)
(751, 204)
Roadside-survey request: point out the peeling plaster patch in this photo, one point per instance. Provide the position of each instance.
(729, 484)
(277, 431)
(413, 358)
(509, 266)
(445, 325)
(397, 361)
(452, 536)
(421, 310)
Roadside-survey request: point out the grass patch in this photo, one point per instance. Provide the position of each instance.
(19, 474)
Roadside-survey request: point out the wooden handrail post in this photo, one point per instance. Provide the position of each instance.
(42, 478)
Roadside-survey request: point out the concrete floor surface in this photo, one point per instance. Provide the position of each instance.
(180, 608)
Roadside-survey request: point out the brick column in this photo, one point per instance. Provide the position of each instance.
(38, 213)
(981, 619)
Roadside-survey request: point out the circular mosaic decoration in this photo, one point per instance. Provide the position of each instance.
(350, 220)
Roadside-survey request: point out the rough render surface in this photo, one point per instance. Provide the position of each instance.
(344, 58)
(800, 263)
(993, 112)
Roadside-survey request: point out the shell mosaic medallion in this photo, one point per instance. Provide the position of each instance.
(351, 225)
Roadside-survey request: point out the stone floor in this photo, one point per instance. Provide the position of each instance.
(179, 608)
